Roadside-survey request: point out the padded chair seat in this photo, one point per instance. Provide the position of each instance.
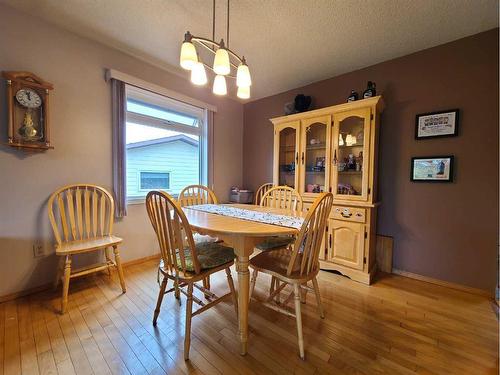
(81, 246)
(210, 255)
(276, 261)
(275, 243)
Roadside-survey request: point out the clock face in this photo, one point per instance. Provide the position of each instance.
(28, 98)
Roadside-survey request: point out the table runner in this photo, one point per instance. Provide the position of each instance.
(244, 214)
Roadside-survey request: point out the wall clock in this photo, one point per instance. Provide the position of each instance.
(28, 107)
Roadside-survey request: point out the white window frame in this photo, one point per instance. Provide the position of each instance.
(153, 171)
(201, 130)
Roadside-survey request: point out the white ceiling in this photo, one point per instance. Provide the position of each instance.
(287, 43)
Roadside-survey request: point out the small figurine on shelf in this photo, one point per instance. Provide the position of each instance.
(351, 163)
(359, 162)
(346, 189)
(353, 96)
(350, 140)
(370, 90)
(320, 164)
(360, 137)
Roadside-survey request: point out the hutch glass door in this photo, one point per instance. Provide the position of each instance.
(286, 143)
(314, 159)
(350, 159)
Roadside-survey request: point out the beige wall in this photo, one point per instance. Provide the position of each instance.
(81, 134)
(444, 231)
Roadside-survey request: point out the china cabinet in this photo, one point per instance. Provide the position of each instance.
(335, 149)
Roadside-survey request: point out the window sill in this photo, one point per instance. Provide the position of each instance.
(138, 200)
(142, 200)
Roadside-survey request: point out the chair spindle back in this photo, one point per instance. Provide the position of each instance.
(309, 239)
(79, 212)
(196, 194)
(172, 230)
(263, 189)
(282, 197)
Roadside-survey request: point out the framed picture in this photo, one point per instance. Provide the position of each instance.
(436, 124)
(432, 169)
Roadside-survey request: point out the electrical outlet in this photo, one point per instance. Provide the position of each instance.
(38, 250)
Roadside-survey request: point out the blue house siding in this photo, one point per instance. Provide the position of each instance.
(179, 158)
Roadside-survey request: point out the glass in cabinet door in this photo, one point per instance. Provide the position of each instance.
(315, 142)
(288, 155)
(350, 158)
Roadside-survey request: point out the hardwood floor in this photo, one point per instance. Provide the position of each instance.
(396, 326)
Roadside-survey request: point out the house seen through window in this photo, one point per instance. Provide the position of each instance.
(165, 144)
(155, 180)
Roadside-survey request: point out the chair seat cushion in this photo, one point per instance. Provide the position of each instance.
(276, 261)
(275, 242)
(210, 255)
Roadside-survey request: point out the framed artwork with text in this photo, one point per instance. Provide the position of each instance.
(436, 124)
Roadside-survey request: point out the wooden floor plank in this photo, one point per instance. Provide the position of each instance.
(80, 361)
(12, 353)
(29, 360)
(46, 363)
(395, 326)
(2, 337)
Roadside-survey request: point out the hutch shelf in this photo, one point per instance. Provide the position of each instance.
(335, 149)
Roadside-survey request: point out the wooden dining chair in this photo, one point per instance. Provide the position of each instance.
(196, 194)
(297, 265)
(81, 217)
(261, 191)
(185, 262)
(283, 197)
(199, 194)
(286, 198)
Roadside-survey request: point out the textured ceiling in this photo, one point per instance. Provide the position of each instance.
(287, 43)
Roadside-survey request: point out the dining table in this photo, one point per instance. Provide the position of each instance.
(242, 235)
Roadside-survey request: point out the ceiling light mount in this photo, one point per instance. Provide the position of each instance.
(224, 62)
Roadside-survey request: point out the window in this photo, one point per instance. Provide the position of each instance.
(165, 144)
(154, 180)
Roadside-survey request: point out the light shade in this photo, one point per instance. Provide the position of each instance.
(221, 62)
(243, 92)
(198, 74)
(243, 78)
(219, 85)
(188, 55)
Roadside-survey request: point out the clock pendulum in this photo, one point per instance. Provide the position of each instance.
(28, 130)
(30, 100)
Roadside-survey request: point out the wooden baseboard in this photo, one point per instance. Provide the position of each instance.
(41, 288)
(446, 284)
(141, 260)
(24, 293)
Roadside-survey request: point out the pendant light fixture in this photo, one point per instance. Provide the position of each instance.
(225, 62)
(198, 74)
(243, 92)
(220, 87)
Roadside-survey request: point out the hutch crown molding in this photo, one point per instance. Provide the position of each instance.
(335, 149)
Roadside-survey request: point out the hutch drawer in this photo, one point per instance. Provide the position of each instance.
(349, 213)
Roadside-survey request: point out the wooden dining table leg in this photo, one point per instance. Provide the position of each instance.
(243, 247)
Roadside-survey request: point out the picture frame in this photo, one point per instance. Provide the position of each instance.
(437, 124)
(432, 168)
